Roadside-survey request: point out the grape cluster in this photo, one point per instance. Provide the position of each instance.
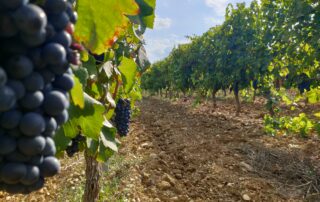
(35, 78)
(304, 85)
(122, 118)
(74, 147)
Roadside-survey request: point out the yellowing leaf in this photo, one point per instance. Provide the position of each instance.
(77, 93)
(317, 114)
(102, 21)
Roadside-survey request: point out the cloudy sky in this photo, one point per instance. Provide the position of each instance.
(176, 19)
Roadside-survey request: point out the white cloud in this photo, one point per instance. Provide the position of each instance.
(158, 48)
(219, 6)
(162, 23)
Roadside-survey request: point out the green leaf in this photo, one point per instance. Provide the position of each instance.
(77, 93)
(61, 141)
(104, 153)
(89, 119)
(101, 22)
(90, 66)
(82, 74)
(147, 13)
(128, 69)
(107, 136)
(92, 146)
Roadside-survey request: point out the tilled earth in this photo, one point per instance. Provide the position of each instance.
(177, 152)
(208, 154)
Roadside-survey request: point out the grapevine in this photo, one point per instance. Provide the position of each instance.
(35, 78)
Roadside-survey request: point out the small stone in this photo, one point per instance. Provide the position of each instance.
(246, 166)
(230, 184)
(164, 185)
(169, 179)
(174, 198)
(146, 145)
(153, 156)
(246, 197)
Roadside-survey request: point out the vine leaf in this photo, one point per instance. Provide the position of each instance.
(90, 66)
(77, 93)
(128, 69)
(88, 120)
(108, 136)
(61, 141)
(147, 12)
(101, 22)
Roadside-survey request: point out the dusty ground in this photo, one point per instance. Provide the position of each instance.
(176, 152)
(206, 154)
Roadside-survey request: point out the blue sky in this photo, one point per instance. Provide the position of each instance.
(176, 19)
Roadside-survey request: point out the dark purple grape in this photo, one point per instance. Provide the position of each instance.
(51, 124)
(17, 156)
(33, 40)
(30, 18)
(7, 144)
(7, 27)
(19, 67)
(31, 146)
(50, 148)
(32, 101)
(12, 173)
(63, 38)
(72, 15)
(54, 54)
(10, 119)
(8, 98)
(55, 6)
(32, 124)
(50, 166)
(32, 176)
(13, 4)
(36, 57)
(59, 69)
(3, 77)
(47, 75)
(59, 21)
(62, 117)
(55, 103)
(64, 82)
(34, 82)
(18, 87)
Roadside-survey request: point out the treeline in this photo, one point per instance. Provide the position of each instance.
(264, 46)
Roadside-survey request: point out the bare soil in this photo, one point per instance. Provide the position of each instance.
(177, 152)
(208, 154)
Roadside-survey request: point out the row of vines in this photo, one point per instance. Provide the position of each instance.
(88, 52)
(270, 48)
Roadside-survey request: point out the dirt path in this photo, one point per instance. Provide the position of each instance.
(176, 152)
(201, 154)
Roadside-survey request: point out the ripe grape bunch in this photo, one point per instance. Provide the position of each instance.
(74, 147)
(122, 118)
(35, 78)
